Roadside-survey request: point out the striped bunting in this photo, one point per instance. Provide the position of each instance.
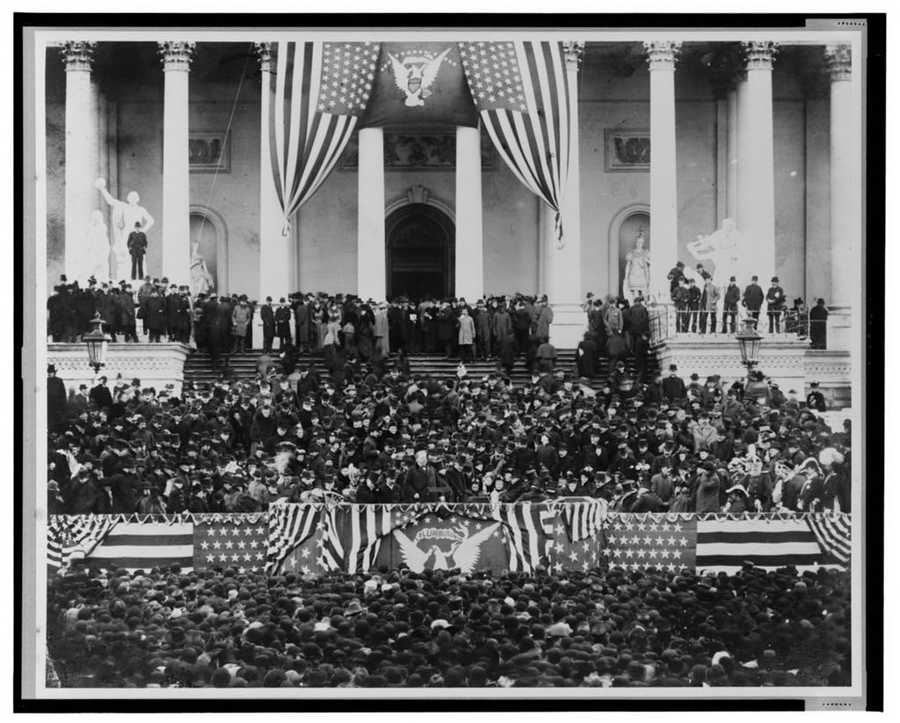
(726, 545)
(833, 535)
(520, 90)
(289, 525)
(316, 95)
(583, 517)
(527, 526)
(71, 533)
(137, 546)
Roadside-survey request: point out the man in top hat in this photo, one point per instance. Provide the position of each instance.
(730, 306)
(818, 324)
(775, 300)
(57, 401)
(267, 315)
(753, 298)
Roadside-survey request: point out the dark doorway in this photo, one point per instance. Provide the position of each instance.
(420, 252)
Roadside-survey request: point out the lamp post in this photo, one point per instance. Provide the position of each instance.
(749, 340)
(96, 342)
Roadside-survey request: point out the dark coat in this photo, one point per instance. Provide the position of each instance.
(753, 297)
(56, 402)
(267, 315)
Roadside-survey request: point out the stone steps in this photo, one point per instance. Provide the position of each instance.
(199, 369)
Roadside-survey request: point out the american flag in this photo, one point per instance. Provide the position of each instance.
(318, 92)
(528, 526)
(145, 545)
(69, 533)
(231, 541)
(289, 526)
(521, 92)
(722, 543)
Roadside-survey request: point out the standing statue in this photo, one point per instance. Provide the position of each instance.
(125, 215)
(97, 256)
(201, 279)
(637, 269)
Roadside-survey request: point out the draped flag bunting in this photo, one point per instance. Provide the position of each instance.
(422, 84)
(520, 91)
(722, 544)
(562, 534)
(188, 541)
(66, 535)
(318, 92)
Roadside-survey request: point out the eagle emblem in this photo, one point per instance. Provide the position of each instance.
(414, 75)
(464, 552)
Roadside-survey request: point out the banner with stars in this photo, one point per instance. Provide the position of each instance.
(664, 541)
(420, 83)
(238, 541)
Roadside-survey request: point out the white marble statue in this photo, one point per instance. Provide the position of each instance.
(125, 215)
(722, 253)
(96, 257)
(637, 269)
(201, 279)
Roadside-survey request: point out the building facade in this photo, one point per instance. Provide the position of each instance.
(670, 140)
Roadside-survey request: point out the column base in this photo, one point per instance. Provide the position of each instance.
(568, 327)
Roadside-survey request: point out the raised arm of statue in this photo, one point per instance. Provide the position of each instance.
(100, 183)
(146, 221)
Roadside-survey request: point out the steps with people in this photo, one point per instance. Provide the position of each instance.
(199, 367)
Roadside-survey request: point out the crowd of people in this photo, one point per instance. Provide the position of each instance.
(374, 432)
(438, 629)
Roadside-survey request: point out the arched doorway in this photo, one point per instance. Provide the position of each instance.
(208, 229)
(624, 229)
(420, 241)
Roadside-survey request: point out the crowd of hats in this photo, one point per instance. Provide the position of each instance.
(604, 628)
(237, 445)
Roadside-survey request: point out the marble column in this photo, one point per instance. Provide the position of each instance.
(275, 256)
(756, 179)
(80, 155)
(563, 276)
(846, 207)
(845, 192)
(661, 55)
(732, 145)
(469, 272)
(176, 191)
(371, 273)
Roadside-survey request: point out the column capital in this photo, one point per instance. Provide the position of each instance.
(661, 54)
(177, 55)
(264, 55)
(78, 54)
(760, 54)
(574, 53)
(838, 61)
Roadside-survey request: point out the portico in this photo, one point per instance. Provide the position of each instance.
(719, 150)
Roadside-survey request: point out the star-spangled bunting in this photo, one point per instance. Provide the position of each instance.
(636, 542)
(221, 544)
